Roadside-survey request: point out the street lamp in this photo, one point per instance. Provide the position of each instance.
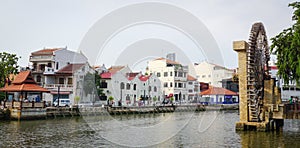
(58, 90)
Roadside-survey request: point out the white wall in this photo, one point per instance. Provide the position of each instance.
(64, 56)
(211, 73)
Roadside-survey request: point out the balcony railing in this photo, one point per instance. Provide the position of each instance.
(49, 70)
(41, 58)
(68, 87)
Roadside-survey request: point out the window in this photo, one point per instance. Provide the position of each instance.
(190, 90)
(42, 67)
(155, 89)
(175, 73)
(203, 76)
(103, 84)
(127, 86)
(171, 73)
(149, 88)
(171, 84)
(70, 81)
(179, 85)
(49, 65)
(180, 74)
(190, 83)
(38, 79)
(165, 84)
(209, 76)
(175, 84)
(165, 74)
(158, 74)
(61, 80)
(134, 86)
(184, 74)
(122, 85)
(34, 67)
(56, 65)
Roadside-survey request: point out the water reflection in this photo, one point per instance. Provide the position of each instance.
(288, 137)
(199, 132)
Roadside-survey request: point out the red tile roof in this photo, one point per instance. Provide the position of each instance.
(273, 67)
(144, 77)
(23, 77)
(115, 69)
(111, 71)
(70, 68)
(106, 75)
(23, 82)
(190, 78)
(24, 87)
(218, 91)
(48, 51)
(132, 75)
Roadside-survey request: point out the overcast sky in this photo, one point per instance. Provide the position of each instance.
(30, 25)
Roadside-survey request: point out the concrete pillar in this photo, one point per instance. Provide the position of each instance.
(240, 47)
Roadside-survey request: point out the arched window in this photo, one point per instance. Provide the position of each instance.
(127, 86)
(134, 86)
(155, 89)
(122, 85)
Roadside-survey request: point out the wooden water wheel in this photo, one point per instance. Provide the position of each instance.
(257, 71)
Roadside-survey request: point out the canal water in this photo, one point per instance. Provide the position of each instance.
(182, 129)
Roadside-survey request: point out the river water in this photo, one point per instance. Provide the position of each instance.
(182, 129)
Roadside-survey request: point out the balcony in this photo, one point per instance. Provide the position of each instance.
(48, 70)
(63, 87)
(41, 58)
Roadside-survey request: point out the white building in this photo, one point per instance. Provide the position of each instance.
(287, 90)
(51, 60)
(59, 68)
(210, 73)
(193, 88)
(130, 88)
(172, 75)
(69, 80)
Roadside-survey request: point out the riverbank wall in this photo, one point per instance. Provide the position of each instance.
(54, 112)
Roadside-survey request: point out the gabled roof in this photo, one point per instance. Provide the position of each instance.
(70, 68)
(190, 78)
(23, 77)
(144, 77)
(169, 61)
(131, 75)
(218, 91)
(106, 75)
(48, 51)
(111, 71)
(114, 69)
(23, 82)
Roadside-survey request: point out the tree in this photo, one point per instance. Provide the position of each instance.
(110, 98)
(286, 45)
(98, 84)
(76, 99)
(8, 65)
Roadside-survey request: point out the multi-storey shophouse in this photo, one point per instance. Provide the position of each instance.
(172, 75)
